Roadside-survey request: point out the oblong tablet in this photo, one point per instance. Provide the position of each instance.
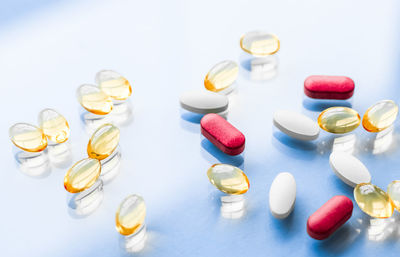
(329, 217)
(296, 125)
(282, 195)
(380, 116)
(203, 101)
(349, 169)
(339, 120)
(329, 87)
(222, 134)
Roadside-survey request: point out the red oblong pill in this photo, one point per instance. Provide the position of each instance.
(222, 134)
(329, 87)
(329, 217)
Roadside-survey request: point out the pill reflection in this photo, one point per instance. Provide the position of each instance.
(60, 155)
(35, 165)
(135, 242)
(233, 206)
(85, 203)
(344, 144)
(111, 166)
(263, 68)
(383, 141)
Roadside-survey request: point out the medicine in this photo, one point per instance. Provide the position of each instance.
(373, 201)
(82, 175)
(204, 102)
(393, 190)
(94, 100)
(380, 116)
(228, 179)
(221, 76)
(329, 217)
(113, 84)
(130, 215)
(103, 142)
(259, 43)
(54, 125)
(329, 87)
(282, 195)
(28, 137)
(339, 120)
(349, 169)
(296, 125)
(222, 134)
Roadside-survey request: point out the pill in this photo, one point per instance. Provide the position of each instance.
(259, 43)
(54, 125)
(282, 195)
(228, 179)
(28, 137)
(296, 125)
(221, 76)
(103, 142)
(204, 102)
(329, 87)
(130, 215)
(349, 169)
(380, 116)
(339, 120)
(82, 175)
(113, 84)
(222, 134)
(393, 190)
(94, 100)
(373, 201)
(329, 217)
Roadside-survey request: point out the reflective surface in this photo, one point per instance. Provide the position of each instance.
(339, 120)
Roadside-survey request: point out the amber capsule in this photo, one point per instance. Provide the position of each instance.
(113, 84)
(54, 125)
(259, 43)
(103, 142)
(94, 100)
(28, 137)
(228, 179)
(380, 116)
(339, 120)
(130, 215)
(221, 76)
(82, 175)
(373, 201)
(393, 191)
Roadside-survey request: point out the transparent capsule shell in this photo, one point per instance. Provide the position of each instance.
(380, 116)
(130, 215)
(373, 201)
(393, 190)
(103, 142)
(54, 125)
(94, 100)
(82, 175)
(259, 43)
(228, 179)
(339, 120)
(28, 137)
(113, 84)
(221, 76)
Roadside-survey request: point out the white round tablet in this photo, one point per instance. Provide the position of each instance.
(296, 125)
(349, 169)
(282, 195)
(203, 101)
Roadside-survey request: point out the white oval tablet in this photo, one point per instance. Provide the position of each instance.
(282, 195)
(349, 169)
(204, 102)
(296, 125)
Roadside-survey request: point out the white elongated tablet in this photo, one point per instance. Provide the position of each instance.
(296, 125)
(349, 169)
(282, 195)
(203, 101)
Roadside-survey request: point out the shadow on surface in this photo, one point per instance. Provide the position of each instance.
(207, 149)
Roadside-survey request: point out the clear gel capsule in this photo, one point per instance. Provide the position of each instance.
(54, 125)
(393, 191)
(103, 142)
(82, 175)
(94, 100)
(339, 120)
(373, 201)
(221, 76)
(380, 116)
(130, 215)
(28, 137)
(228, 179)
(113, 84)
(259, 43)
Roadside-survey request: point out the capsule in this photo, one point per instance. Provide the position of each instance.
(373, 201)
(339, 120)
(130, 215)
(259, 43)
(113, 84)
(28, 137)
(103, 142)
(221, 76)
(228, 179)
(82, 175)
(222, 134)
(94, 100)
(54, 125)
(393, 190)
(380, 116)
(329, 87)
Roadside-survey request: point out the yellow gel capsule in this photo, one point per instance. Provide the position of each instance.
(229, 179)
(28, 137)
(373, 201)
(103, 142)
(259, 43)
(339, 120)
(113, 84)
(82, 175)
(380, 116)
(130, 215)
(221, 76)
(94, 100)
(393, 191)
(54, 125)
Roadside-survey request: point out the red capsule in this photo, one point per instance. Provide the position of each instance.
(222, 134)
(329, 87)
(329, 217)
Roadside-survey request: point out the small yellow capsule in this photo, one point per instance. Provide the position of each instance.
(82, 175)
(221, 76)
(28, 137)
(339, 120)
(380, 116)
(113, 84)
(103, 142)
(393, 191)
(373, 201)
(259, 43)
(94, 100)
(228, 179)
(130, 215)
(54, 125)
